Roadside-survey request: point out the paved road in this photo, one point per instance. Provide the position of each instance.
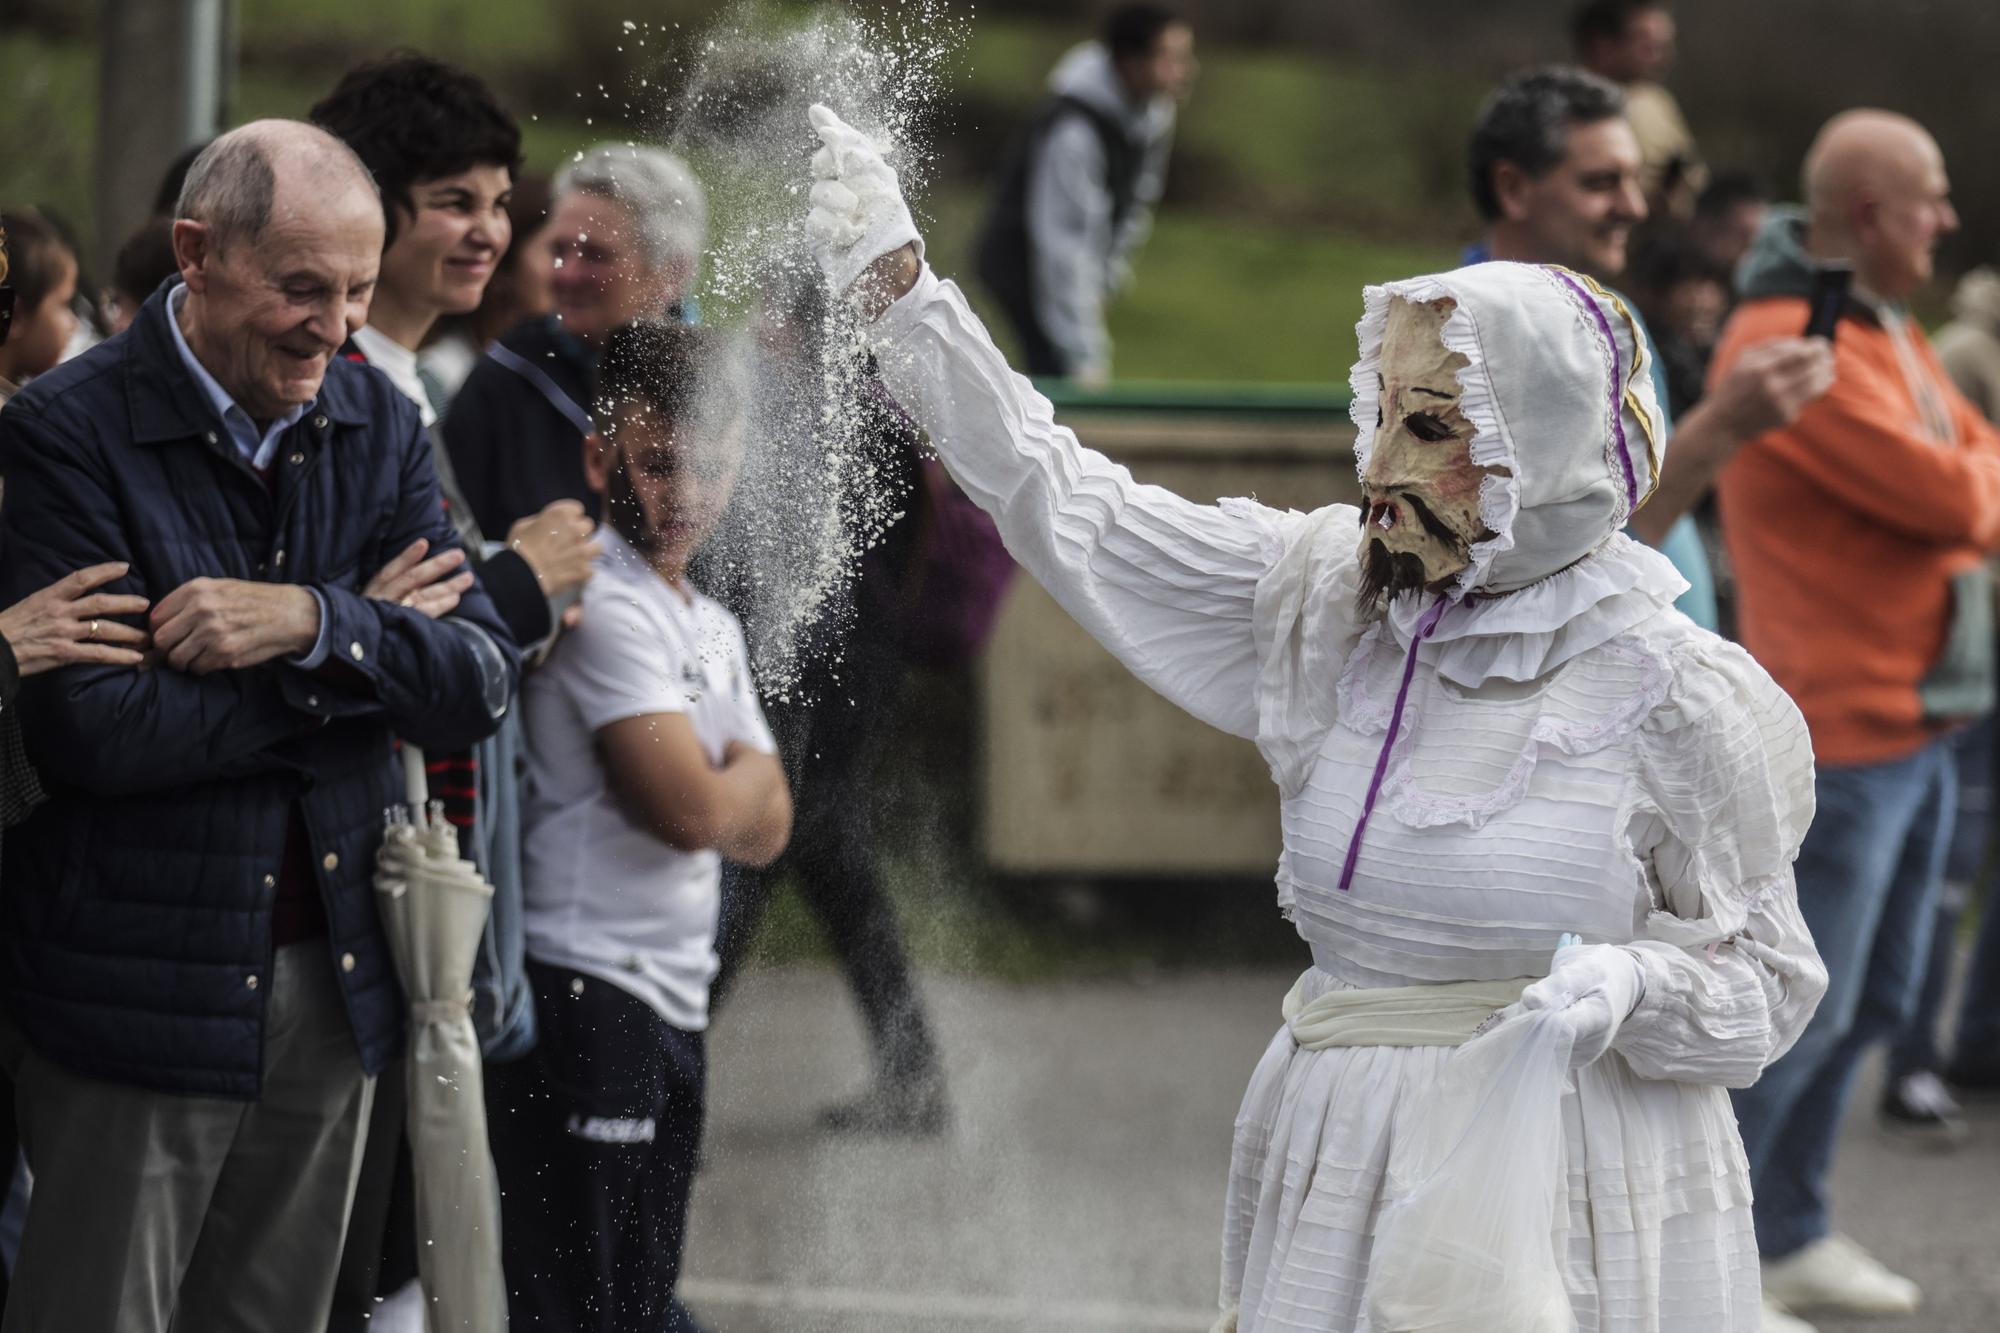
(1079, 1189)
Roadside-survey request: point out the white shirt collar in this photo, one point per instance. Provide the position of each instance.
(256, 449)
(399, 363)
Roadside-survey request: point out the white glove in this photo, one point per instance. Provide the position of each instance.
(858, 214)
(1595, 987)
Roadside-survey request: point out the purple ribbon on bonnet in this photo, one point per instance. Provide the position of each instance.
(1617, 387)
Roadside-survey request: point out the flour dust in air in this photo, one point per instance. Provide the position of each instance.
(827, 474)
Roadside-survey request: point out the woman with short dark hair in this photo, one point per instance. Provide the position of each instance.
(444, 154)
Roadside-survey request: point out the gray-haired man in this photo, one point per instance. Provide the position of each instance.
(197, 983)
(628, 227)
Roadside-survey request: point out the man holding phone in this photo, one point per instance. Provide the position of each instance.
(1858, 535)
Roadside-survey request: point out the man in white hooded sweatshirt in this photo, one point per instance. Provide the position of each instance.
(1493, 737)
(1076, 196)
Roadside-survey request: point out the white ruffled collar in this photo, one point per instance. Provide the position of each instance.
(1525, 634)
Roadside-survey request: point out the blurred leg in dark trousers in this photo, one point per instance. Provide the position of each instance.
(359, 1282)
(1975, 1063)
(829, 747)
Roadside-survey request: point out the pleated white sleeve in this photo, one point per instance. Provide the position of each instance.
(1731, 972)
(1167, 585)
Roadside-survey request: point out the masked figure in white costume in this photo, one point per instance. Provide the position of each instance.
(1488, 727)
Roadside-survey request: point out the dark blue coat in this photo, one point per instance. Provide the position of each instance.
(135, 922)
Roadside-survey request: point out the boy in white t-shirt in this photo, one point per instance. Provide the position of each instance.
(649, 762)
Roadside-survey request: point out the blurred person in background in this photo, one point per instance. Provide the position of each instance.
(42, 272)
(443, 153)
(925, 595)
(1969, 346)
(144, 262)
(146, 259)
(1727, 218)
(1916, 1101)
(627, 230)
(1684, 297)
(199, 989)
(650, 763)
(1076, 194)
(1859, 534)
(167, 194)
(1631, 43)
(1554, 171)
(92, 323)
(522, 287)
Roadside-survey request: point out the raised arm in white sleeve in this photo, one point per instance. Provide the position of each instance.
(1167, 585)
(1170, 587)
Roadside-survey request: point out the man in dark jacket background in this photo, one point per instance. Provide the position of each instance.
(190, 953)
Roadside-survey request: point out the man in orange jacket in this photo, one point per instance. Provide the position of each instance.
(1858, 535)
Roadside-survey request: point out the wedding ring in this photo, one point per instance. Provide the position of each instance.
(405, 601)
(92, 634)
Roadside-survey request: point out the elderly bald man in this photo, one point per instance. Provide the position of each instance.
(197, 981)
(1858, 534)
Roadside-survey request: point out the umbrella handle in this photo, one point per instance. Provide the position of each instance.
(416, 787)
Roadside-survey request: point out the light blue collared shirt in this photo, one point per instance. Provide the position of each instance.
(256, 450)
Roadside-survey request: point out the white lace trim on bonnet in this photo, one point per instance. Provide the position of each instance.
(1499, 496)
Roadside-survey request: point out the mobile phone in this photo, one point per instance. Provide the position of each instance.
(1828, 298)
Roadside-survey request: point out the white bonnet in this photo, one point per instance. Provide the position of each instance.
(1558, 387)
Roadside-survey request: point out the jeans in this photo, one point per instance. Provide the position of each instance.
(830, 758)
(1868, 878)
(1916, 1046)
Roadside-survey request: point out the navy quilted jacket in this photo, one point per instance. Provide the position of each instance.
(135, 925)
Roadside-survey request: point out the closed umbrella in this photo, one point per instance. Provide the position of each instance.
(434, 907)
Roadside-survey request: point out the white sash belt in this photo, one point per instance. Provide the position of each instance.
(1446, 1014)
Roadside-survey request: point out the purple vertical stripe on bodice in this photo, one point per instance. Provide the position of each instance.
(1425, 627)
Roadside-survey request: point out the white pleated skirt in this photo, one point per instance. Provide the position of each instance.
(1660, 1237)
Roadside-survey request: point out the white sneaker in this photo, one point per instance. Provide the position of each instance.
(1835, 1274)
(1777, 1319)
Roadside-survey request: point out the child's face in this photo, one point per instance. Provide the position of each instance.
(668, 485)
(40, 334)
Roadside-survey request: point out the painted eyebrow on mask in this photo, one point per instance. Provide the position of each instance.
(1435, 393)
